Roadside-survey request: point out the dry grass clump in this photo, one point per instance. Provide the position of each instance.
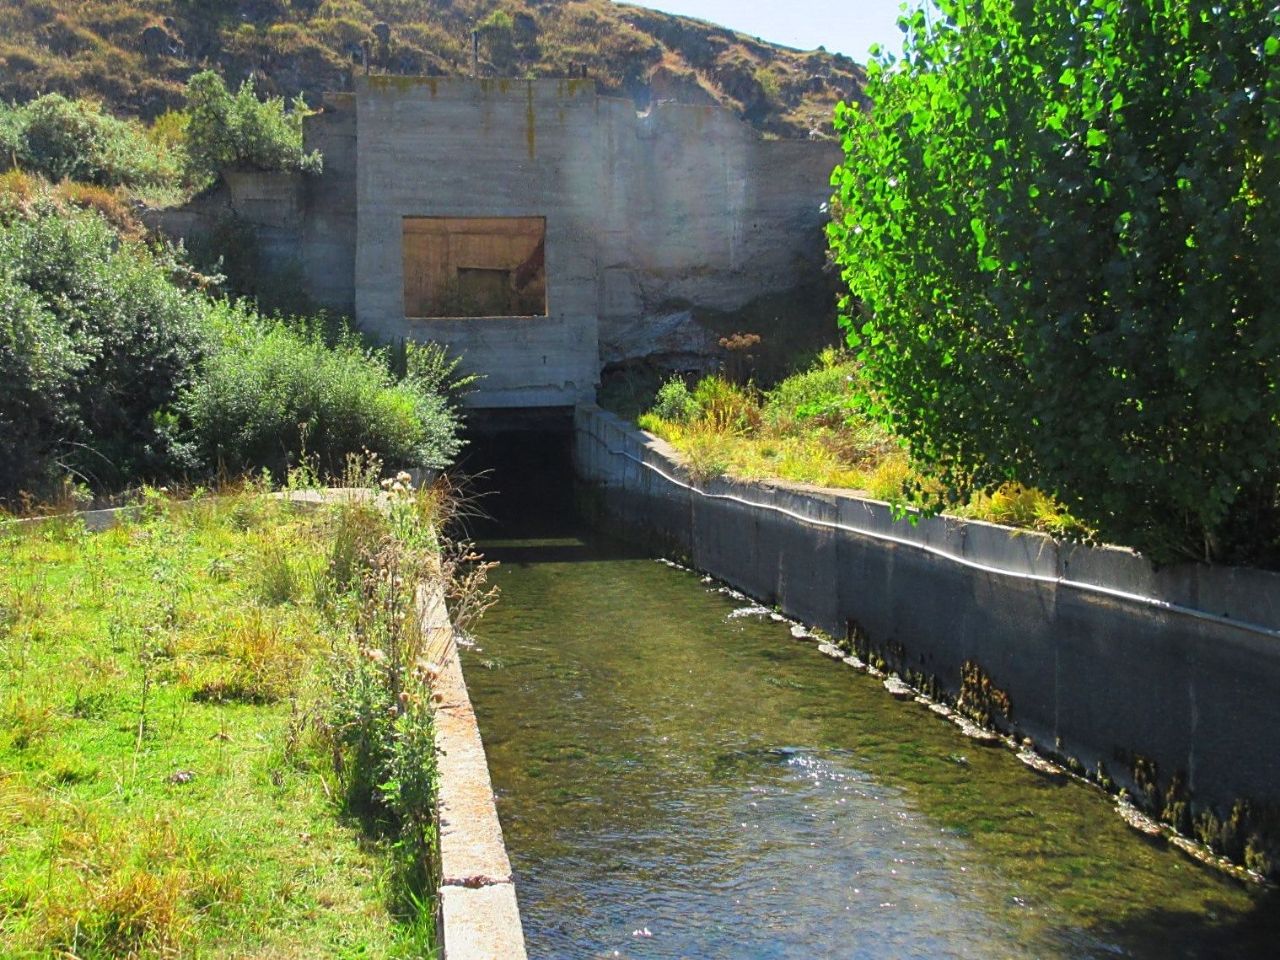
(113, 205)
(21, 191)
(256, 659)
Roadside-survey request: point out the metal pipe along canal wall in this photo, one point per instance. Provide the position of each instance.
(1163, 681)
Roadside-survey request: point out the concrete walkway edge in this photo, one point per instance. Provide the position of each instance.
(479, 918)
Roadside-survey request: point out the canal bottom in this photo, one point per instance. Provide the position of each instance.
(678, 777)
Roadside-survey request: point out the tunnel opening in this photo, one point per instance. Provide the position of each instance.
(518, 466)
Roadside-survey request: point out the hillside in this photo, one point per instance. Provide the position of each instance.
(137, 55)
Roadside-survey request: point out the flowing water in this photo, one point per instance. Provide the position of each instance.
(678, 777)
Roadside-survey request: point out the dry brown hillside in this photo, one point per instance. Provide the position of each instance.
(136, 55)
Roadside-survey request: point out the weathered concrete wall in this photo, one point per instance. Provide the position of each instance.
(695, 208)
(1092, 671)
(647, 214)
(305, 226)
(438, 148)
(683, 204)
(328, 239)
(274, 204)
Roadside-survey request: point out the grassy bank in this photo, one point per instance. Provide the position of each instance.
(214, 737)
(810, 428)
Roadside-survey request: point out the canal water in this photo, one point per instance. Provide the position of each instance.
(677, 777)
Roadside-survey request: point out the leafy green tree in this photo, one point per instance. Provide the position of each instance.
(239, 131)
(96, 345)
(1060, 227)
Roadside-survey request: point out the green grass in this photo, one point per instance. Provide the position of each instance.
(166, 785)
(810, 429)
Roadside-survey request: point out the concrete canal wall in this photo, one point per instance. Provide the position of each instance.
(1167, 679)
(479, 918)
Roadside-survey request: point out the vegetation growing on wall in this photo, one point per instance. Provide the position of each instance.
(1060, 224)
(811, 428)
(78, 140)
(238, 131)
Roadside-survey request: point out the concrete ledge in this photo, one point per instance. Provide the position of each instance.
(96, 521)
(481, 924)
(1249, 596)
(479, 915)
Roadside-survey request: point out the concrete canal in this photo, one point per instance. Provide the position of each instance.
(677, 776)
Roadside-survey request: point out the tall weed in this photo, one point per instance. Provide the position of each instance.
(379, 721)
(726, 407)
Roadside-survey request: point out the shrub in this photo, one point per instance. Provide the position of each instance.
(824, 393)
(11, 139)
(38, 366)
(239, 131)
(674, 402)
(1062, 222)
(498, 29)
(66, 139)
(271, 392)
(100, 342)
(433, 369)
(114, 373)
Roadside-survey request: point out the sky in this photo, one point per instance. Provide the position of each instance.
(842, 26)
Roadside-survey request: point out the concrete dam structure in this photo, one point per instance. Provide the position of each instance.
(535, 227)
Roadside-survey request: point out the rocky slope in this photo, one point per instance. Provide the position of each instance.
(136, 55)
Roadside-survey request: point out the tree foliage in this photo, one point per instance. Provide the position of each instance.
(228, 130)
(1060, 227)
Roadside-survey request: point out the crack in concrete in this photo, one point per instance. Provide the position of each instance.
(475, 883)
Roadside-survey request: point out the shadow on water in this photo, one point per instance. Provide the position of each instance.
(525, 502)
(1252, 934)
(677, 777)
